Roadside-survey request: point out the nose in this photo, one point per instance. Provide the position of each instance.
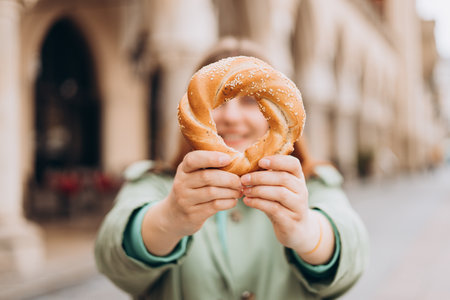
(231, 111)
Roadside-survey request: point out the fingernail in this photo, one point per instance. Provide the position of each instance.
(246, 179)
(264, 163)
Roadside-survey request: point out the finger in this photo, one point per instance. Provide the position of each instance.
(287, 163)
(278, 194)
(274, 178)
(213, 177)
(212, 207)
(201, 159)
(274, 210)
(209, 193)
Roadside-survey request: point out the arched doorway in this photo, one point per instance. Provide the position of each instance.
(67, 117)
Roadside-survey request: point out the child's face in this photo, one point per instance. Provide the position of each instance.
(240, 123)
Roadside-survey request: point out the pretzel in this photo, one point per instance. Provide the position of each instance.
(278, 98)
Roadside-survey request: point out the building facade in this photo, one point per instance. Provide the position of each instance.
(96, 83)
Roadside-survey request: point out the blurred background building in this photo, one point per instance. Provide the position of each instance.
(89, 86)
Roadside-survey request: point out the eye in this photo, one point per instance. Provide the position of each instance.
(248, 101)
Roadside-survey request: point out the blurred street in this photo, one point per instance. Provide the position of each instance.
(408, 222)
(407, 219)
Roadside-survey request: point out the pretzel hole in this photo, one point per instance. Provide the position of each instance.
(240, 122)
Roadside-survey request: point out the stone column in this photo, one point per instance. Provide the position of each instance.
(178, 46)
(20, 242)
(271, 24)
(402, 19)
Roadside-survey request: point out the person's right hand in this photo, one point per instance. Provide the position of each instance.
(198, 192)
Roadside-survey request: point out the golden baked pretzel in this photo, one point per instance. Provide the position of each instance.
(278, 98)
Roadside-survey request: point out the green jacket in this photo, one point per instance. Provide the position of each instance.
(255, 263)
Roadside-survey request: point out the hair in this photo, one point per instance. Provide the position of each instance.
(228, 47)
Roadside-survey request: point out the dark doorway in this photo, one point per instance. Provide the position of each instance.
(67, 123)
(67, 112)
(154, 114)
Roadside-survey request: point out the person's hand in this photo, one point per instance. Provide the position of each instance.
(280, 192)
(198, 192)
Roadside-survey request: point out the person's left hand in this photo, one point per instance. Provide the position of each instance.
(280, 192)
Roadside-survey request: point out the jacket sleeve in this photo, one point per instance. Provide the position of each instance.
(134, 245)
(129, 274)
(326, 194)
(318, 272)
